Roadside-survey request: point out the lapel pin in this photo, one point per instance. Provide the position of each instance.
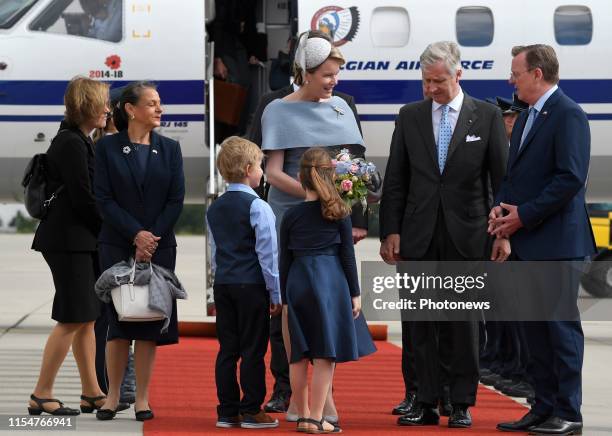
(545, 112)
(126, 150)
(154, 151)
(338, 111)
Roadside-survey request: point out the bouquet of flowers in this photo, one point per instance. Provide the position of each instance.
(353, 178)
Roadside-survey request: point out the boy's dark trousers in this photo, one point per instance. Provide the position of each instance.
(243, 330)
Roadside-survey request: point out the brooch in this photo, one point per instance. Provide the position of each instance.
(126, 150)
(338, 111)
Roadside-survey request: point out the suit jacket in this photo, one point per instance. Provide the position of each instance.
(73, 221)
(414, 189)
(128, 206)
(358, 217)
(547, 180)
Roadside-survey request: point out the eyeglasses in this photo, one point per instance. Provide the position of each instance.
(108, 114)
(515, 76)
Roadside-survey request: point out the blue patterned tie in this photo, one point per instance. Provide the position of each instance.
(533, 114)
(444, 137)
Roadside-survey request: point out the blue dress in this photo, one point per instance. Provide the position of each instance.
(318, 275)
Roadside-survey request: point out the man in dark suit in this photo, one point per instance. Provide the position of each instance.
(278, 363)
(541, 207)
(434, 207)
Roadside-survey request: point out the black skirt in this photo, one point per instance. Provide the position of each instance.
(74, 276)
(143, 331)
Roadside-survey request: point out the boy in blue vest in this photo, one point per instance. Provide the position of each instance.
(242, 235)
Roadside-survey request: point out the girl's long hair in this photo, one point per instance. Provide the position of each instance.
(317, 174)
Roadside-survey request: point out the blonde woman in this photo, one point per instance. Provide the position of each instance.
(67, 238)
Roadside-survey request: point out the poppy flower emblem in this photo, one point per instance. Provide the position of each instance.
(113, 62)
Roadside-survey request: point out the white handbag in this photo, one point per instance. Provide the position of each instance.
(132, 302)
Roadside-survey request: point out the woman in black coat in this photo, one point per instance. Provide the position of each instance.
(67, 238)
(139, 188)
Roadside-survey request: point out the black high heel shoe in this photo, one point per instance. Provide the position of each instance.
(92, 403)
(61, 410)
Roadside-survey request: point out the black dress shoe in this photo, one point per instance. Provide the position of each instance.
(526, 423)
(503, 384)
(144, 415)
(422, 415)
(460, 417)
(485, 372)
(278, 403)
(556, 425)
(406, 406)
(520, 390)
(490, 380)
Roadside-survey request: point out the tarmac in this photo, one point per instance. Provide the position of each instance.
(25, 323)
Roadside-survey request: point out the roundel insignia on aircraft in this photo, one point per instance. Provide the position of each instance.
(340, 23)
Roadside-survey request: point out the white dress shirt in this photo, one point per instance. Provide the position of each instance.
(453, 113)
(539, 105)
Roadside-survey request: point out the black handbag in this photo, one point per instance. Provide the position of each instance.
(34, 183)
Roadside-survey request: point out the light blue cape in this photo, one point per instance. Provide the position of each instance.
(292, 124)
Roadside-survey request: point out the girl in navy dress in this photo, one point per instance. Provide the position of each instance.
(320, 289)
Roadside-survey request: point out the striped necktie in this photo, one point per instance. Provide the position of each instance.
(444, 137)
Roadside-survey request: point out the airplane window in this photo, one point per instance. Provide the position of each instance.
(573, 25)
(390, 27)
(474, 26)
(98, 19)
(12, 10)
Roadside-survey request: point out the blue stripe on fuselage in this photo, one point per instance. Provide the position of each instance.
(15, 92)
(51, 92)
(31, 92)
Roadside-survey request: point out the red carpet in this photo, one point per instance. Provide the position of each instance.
(183, 395)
